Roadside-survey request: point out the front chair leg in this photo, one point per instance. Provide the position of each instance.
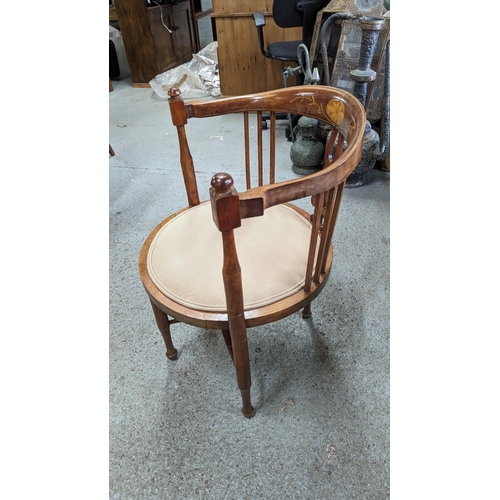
(164, 327)
(243, 378)
(227, 217)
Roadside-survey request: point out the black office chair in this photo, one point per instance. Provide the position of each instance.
(289, 14)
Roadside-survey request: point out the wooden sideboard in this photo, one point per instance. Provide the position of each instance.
(243, 69)
(150, 48)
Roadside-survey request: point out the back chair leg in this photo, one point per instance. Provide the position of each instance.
(164, 327)
(306, 312)
(227, 339)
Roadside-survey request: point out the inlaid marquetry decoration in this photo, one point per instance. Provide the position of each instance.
(335, 110)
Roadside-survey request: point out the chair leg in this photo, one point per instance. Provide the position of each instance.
(227, 339)
(242, 365)
(248, 410)
(231, 274)
(164, 327)
(306, 312)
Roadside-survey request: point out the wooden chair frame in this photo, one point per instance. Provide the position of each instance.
(332, 106)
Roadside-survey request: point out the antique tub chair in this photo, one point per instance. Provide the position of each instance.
(248, 256)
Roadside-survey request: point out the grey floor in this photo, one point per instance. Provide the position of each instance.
(320, 387)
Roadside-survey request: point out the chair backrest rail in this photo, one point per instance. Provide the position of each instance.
(311, 100)
(287, 191)
(341, 110)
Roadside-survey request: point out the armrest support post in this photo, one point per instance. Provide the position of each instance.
(227, 216)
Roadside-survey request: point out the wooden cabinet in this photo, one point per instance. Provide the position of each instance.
(184, 34)
(151, 49)
(163, 41)
(243, 69)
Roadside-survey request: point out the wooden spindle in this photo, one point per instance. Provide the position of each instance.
(329, 146)
(316, 223)
(272, 148)
(247, 151)
(340, 146)
(333, 217)
(324, 244)
(259, 145)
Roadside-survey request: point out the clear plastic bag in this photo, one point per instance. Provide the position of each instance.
(195, 79)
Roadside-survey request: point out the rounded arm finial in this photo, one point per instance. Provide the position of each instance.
(222, 182)
(174, 93)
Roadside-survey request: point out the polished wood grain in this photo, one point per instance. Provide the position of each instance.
(335, 108)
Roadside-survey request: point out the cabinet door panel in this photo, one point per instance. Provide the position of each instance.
(184, 34)
(163, 40)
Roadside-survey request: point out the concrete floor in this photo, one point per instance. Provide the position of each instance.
(320, 387)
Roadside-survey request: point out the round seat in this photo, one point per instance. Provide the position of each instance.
(185, 258)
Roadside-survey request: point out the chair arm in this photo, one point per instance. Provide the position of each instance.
(258, 17)
(225, 202)
(260, 21)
